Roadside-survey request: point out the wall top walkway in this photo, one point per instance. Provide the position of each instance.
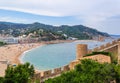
(105, 46)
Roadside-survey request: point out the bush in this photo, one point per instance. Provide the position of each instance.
(95, 53)
(1, 79)
(2, 43)
(90, 71)
(19, 74)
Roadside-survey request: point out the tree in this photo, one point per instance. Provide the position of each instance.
(117, 71)
(1, 79)
(2, 43)
(19, 74)
(90, 71)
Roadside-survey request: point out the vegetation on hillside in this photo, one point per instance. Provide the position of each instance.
(57, 32)
(90, 71)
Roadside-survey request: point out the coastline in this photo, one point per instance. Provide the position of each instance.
(35, 45)
(11, 54)
(41, 44)
(14, 52)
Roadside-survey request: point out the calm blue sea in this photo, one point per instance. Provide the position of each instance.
(55, 55)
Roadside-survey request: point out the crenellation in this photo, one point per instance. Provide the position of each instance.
(66, 68)
(51, 73)
(96, 49)
(57, 70)
(114, 42)
(118, 40)
(73, 64)
(102, 47)
(82, 50)
(47, 73)
(108, 44)
(89, 51)
(37, 76)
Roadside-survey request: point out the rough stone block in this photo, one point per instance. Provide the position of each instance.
(57, 71)
(37, 76)
(96, 49)
(102, 47)
(108, 44)
(89, 51)
(47, 73)
(66, 68)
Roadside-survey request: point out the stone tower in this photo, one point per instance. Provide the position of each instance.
(81, 51)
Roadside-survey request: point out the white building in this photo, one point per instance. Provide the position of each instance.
(10, 40)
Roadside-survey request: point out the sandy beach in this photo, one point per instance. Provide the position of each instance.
(11, 53)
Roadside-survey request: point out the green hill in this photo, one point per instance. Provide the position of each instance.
(76, 31)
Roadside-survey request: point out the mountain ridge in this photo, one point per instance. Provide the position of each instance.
(75, 31)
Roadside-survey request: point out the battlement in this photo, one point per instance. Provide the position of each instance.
(105, 46)
(51, 73)
(118, 39)
(96, 49)
(89, 51)
(82, 50)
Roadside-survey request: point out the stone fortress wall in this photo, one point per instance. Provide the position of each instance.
(51, 73)
(107, 47)
(82, 50)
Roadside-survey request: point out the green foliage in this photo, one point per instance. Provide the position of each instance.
(1, 79)
(2, 43)
(95, 53)
(19, 74)
(90, 71)
(117, 71)
(77, 31)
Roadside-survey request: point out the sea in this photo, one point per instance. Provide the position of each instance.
(52, 56)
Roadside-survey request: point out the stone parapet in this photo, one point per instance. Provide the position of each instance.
(44, 75)
(73, 64)
(82, 50)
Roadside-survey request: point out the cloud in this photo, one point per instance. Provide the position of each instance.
(111, 25)
(90, 9)
(58, 7)
(93, 13)
(11, 19)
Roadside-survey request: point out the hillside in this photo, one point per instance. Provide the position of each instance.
(43, 30)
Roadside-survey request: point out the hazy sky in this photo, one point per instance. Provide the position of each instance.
(103, 15)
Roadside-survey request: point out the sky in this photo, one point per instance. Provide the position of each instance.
(103, 15)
